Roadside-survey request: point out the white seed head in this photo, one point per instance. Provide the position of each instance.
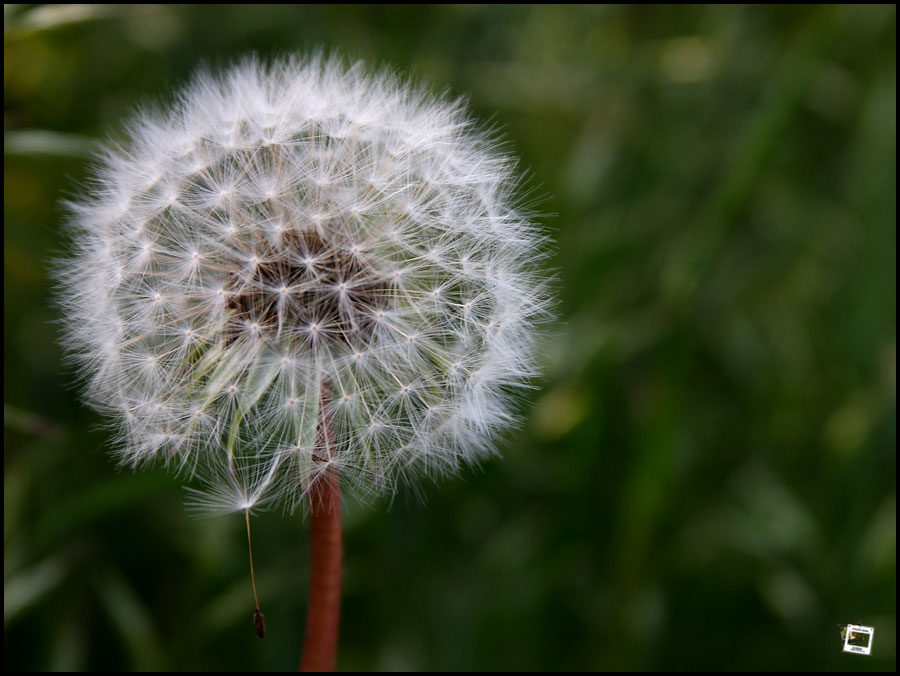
(300, 245)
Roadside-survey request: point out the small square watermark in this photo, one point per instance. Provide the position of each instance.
(857, 638)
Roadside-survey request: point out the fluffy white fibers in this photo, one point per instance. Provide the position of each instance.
(298, 266)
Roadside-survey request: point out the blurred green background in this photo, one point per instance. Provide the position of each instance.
(706, 478)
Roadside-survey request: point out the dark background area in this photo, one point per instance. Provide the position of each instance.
(706, 479)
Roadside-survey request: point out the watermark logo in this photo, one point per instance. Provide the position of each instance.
(857, 638)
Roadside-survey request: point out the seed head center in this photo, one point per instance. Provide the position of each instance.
(290, 286)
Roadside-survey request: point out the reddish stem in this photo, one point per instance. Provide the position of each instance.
(324, 611)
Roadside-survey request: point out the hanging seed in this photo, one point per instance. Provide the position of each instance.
(259, 623)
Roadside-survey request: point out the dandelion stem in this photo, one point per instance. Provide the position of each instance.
(323, 613)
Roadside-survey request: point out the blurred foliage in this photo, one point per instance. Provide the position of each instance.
(707, 477)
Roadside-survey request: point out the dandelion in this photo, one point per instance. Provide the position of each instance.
(302, 274)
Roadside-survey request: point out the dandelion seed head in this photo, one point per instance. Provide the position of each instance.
(300, 241)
